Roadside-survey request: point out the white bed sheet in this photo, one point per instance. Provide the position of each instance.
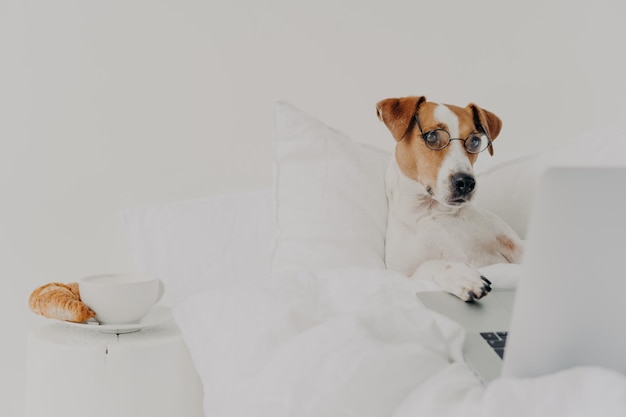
(357, 342)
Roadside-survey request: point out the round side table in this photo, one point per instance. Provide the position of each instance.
(83, 372)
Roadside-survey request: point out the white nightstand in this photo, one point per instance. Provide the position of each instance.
(83, 372)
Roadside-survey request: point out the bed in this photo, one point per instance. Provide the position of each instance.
(287, 309)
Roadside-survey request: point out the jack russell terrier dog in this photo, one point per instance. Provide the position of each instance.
(434, 231)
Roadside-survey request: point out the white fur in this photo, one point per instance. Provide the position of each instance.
(428, 239)
(445, 115)
(456, 160)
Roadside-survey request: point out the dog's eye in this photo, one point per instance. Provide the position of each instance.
(430, 137)
(435, 139)
(476, 143)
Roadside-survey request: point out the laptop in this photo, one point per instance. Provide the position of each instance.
(569, 308)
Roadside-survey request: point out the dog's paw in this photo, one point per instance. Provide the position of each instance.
(468, 287)
(475, 292)
(459, 279)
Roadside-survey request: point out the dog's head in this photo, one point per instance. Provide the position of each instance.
(437, 144)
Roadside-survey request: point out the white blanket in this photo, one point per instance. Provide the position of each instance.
(357, 342)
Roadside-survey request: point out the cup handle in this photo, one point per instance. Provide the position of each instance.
(161, 291)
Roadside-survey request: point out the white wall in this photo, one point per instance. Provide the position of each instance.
(111, 104)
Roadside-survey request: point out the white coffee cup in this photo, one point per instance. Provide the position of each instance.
(120, 298)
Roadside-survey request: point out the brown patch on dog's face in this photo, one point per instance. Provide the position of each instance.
(414, 158)
(434, 168)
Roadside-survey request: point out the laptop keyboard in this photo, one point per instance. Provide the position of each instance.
(497, 340)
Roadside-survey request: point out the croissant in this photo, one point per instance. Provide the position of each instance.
(60, 301)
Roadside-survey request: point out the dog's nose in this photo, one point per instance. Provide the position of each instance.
(463, 183)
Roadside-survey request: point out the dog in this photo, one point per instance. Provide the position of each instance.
(434, 230)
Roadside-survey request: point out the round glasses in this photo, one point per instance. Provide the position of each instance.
(439, 138)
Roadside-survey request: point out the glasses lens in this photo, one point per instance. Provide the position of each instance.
(476, 142)
(436, 139)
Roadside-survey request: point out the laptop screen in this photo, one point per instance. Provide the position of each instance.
(571, 294)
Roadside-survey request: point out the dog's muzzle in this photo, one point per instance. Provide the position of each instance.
(462, 188)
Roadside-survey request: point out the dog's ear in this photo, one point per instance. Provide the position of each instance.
(397, 114)
(489, 121)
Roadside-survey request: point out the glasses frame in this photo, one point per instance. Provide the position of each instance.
(423, 134)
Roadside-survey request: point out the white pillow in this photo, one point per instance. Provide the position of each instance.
(330, 196)
(508, 189)
(204, 243)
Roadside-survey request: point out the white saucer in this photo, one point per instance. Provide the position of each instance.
(156, 316)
